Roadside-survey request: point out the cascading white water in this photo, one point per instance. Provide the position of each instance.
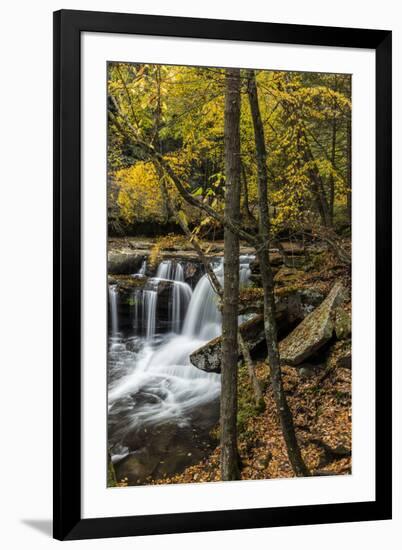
(113, 309)
(203, 317)
(165, 270)
(179, 273)
(181, 291)
(245, 270)
(150, 301)
(181, 297)
(143, 268)
(159, 380)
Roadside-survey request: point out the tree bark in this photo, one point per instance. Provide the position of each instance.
(230, 305)
(250, 221)
(282, 406)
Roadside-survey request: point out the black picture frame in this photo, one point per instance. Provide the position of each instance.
(68, 26)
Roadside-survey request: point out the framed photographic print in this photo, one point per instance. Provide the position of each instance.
(222, 274)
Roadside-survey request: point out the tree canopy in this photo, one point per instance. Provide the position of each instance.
(179, 112)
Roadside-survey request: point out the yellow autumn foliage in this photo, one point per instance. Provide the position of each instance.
(139, 196)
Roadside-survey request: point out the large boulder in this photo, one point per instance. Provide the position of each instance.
(208, 357)
(292, 304)
(313, 332)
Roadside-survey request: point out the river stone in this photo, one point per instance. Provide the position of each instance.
(313, 332)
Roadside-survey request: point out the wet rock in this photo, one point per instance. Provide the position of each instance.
(124, 262)
(127, 283)
(128, 289)
(208, 357)
(192, 272)
(160, 451)
(134, 344)
(137, 466)
(313, 332)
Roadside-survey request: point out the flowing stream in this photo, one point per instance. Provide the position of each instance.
(160, 407)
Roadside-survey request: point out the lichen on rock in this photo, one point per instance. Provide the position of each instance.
(313, 332)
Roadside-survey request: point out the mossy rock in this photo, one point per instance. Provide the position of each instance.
(316, 259)
(287, 276)
(127, 282)
(313, 332)
(343, 324)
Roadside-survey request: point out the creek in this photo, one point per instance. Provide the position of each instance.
(161, 408)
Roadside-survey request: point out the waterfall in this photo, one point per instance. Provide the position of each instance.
(145, 301)
(165, 270)
(203, 317)
(157, 383)
(181, 296)
(136, 297)
(149, 316)
(143, 268)
(245, 270)
(181, 291)
(113, 309)
(179, 273)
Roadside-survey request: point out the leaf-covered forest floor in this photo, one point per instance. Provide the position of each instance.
(321, 407)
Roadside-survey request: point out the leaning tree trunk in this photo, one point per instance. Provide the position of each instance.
(230, 305)
(282, 406)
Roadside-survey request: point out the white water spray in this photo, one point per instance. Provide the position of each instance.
(113, 310)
